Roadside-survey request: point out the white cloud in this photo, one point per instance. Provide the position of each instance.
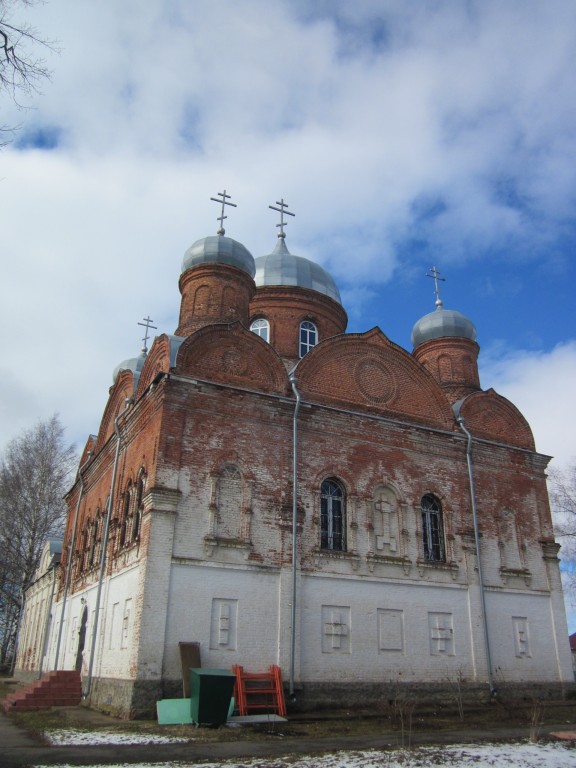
(541, 385)
(382, 124)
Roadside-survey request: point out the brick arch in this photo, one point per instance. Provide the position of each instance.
(368, 372)
(158, 360)
(493, 417)
(231, 354)
(329, 472)
(119, 392)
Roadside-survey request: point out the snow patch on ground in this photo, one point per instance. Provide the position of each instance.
(526, 755)
(73, 737)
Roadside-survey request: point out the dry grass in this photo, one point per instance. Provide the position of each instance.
(322, 725)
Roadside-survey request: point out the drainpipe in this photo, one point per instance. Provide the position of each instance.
(293, 381)
(86, 693)
(47, 621)
(478, 558)
(69, 563)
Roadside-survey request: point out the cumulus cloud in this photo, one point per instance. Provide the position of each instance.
(541, 385)
(401, 134)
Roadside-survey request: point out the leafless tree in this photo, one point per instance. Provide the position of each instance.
(22, 67)
(34, 473)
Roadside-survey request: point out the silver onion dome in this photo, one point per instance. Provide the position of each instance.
(282, 268)
(443, 323)
(218, 249)
(134, 364)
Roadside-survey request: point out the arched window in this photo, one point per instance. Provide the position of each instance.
(138, 510)
(432, 529)
(93, 556)
(332, 516)
(308, 337)
(261, 327)
(124, 521)
(83, 554)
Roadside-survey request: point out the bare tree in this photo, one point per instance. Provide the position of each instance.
(34, 473)
(22, 69)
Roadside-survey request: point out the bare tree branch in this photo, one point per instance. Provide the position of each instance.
(22, 68)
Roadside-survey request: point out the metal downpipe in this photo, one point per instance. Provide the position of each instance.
(69, 566)
(293, 381)
(478, 558)
(86, 692)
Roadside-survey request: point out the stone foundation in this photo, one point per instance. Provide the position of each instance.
(136, 699)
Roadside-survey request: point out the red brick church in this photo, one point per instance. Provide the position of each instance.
(283, 492)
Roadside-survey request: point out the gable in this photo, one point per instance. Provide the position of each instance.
(368, 372)
(493, 417)
(119, 393)
(160, 359)
(230, 354)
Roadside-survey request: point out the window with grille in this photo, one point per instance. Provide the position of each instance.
(332, 516)
(432, 529)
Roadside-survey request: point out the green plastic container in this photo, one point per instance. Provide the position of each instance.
(211, 691)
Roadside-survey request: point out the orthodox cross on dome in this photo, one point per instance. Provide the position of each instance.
(282, 211)
(223, 202)
(435, 275)
(147, 324)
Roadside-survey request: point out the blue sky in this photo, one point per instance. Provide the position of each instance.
(403, 134)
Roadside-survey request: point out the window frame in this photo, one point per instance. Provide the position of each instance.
(307, 337)
(262, 330)
(332, 515)
(434, 547)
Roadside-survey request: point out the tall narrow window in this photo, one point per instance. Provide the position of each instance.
(308, 337)
(432, 529)
(93, 556)
(261, 327)
(124, 521)
(138, 511)
(332, 516)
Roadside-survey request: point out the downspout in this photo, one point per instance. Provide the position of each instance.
(47, 621)
(478, 558)
(293, 380)
(69, 564)
(104, 545)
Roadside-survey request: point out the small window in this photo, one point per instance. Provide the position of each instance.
(432, 529)
(308, 337)
(332, 516)
(261, 327)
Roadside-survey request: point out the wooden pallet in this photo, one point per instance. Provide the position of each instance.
(259, 691)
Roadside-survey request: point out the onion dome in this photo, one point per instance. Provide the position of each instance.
(134, 364)
(282, 268)
(218, 249)
(443, 323)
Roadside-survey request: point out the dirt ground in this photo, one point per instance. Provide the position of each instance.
(402, 719)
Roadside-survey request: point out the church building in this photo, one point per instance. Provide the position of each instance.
(282, 492)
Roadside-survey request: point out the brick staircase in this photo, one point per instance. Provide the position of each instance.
(55, 689)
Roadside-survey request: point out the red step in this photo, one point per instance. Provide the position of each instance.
(55, 689)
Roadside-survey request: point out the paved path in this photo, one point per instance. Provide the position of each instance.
(19, 750)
